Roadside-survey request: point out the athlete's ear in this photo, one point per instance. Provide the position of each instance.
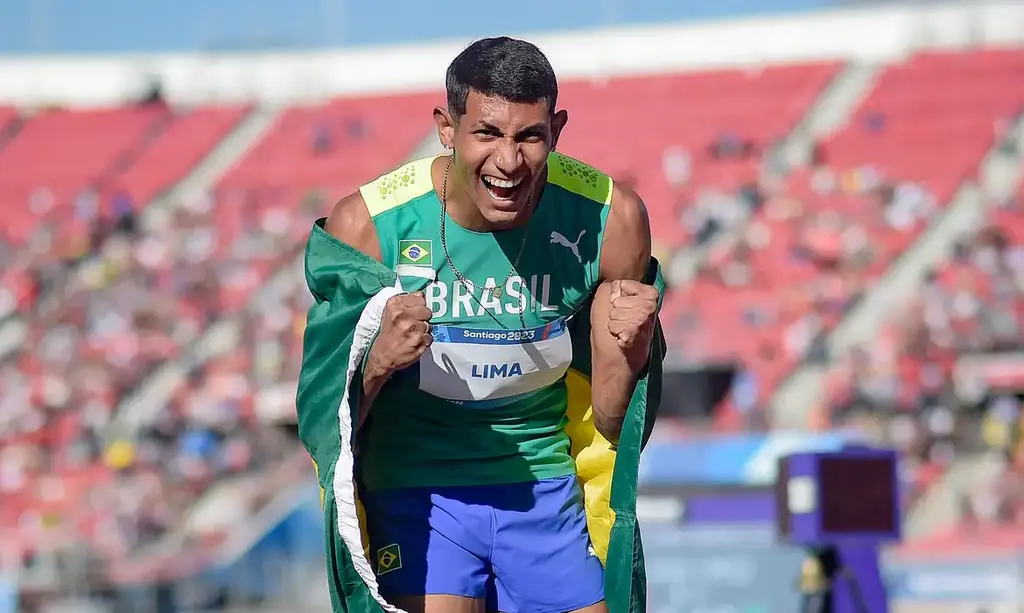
(445, 127)
(558, 121)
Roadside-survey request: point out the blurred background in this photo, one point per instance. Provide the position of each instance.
(835, 192)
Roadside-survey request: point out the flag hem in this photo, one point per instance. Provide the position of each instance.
(344, 468)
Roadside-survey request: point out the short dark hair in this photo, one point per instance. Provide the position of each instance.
(507, 68)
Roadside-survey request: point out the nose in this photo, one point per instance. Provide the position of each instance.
(508, 157)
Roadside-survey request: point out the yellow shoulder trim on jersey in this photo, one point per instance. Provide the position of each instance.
(398, 186)
(580, 178)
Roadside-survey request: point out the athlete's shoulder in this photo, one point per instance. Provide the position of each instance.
(401, 185)
(626, 251)
(350, 223)
(581, 179)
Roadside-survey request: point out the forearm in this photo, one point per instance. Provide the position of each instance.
(612, 384)
(375, 376)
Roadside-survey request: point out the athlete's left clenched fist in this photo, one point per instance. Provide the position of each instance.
(634, 306)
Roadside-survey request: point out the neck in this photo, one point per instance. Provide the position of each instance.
(461, 207)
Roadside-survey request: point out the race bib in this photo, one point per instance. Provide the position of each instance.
(491, 367)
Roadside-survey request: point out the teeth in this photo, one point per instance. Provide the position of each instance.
(502, 183)
(496, 196)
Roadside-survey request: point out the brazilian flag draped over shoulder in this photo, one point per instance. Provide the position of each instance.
(350, 291)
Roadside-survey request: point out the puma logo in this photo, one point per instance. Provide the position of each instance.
(557, 238)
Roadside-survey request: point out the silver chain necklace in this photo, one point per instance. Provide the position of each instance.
(497, 291)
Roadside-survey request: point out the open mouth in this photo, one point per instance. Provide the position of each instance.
(502, 189)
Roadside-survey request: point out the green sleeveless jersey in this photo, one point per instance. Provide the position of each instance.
(486, 403)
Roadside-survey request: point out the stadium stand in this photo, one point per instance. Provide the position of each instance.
(334, 146)
(172, 154)
(75, 204)
(57, 154)
(8, 119)
(707, 141)
(900, 385)
(819, 237)
(833, 228)
(148, 292)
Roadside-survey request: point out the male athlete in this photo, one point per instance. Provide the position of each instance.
(463, 460)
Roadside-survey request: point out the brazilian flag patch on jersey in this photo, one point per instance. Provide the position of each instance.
(415, 252)
(389, 558)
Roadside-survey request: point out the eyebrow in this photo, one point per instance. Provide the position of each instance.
(535, 128)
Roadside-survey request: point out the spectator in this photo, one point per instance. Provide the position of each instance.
(874, 122)
(123, 209)
(676, 165)
(357, 129)
(323, 137)
(41, 201)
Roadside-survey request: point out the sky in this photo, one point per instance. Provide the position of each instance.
(118, 26)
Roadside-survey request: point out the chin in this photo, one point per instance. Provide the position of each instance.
(500, 219)
(500, 214)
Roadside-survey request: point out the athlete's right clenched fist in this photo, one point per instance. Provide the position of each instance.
(404, 333)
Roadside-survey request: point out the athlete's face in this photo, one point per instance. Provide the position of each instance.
(501, 150)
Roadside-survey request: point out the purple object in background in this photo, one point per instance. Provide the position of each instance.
(850, 496)
(722, 554)
(743, 550)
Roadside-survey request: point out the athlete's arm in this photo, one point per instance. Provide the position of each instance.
(350, 223)
(625, 257)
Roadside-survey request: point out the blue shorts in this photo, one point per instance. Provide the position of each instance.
(522, 546)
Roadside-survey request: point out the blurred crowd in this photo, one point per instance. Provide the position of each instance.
(914, 381)
(102, 318)
(798, 249)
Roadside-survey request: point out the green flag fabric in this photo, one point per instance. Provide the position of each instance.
(350, 291)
